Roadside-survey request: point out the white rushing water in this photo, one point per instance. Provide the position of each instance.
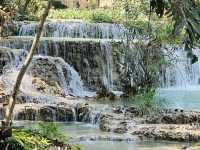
(181, 80)
(69, 79)
(74, 29)
(181, 73)
(106, 49)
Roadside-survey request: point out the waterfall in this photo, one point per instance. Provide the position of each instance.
(67, 74)
(74, 29)
(69, 79)
(93, 59)
(106, 49)
(180, 73)
(180, 80)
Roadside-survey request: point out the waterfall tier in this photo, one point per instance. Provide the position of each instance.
(46, 75)
(73, 29)
(180, 73)
(97, 61)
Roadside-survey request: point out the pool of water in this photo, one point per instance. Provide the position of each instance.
(143, 145)
(76, 129)
(183, 98)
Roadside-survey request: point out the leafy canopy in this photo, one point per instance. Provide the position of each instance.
(186, 15)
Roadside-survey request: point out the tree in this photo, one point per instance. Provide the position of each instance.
(6, 123)
(186, 15)
(25, 6)
(6, 13)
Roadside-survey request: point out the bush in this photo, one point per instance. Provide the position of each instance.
(50, 131)
(43, 137)
(99, 17)
(26, 140)
(147, 103)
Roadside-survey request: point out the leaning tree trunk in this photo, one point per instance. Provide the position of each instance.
(12, 100)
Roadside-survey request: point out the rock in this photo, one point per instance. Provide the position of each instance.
(65, 114)
(104, 124)
(168, 132)
(27, 114)
(46, 113)
(83, 112)
(132, 110)
(43, 87)
(117, 110)
(176, 117)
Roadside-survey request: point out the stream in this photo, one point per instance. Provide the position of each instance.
(78, 131)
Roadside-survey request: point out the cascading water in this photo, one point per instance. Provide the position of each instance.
(94, 60)
(74, 29)
(70, 81)
(181, 73)
(180, 80)
(106, 48)
(69, 78)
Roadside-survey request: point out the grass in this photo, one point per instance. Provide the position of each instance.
(88, 15)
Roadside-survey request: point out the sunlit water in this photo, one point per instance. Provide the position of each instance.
(182, 98)
(81, 129)
(144, 145)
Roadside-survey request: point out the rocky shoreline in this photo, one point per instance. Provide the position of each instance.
(173, 125)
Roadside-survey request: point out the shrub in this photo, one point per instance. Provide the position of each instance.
(147, 103)
(26, 140)
(99, 17)
(50, 131)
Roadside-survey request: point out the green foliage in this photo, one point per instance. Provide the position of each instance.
(27, 140)
(147, 103)
(42, 137)
(32, 12)
(50, 131)
(186, 16)
(99, 17)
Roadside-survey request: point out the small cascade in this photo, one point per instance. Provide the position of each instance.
(180, 80)
(11, 58)
(94, 62)
(106, 49)
(74, 29)
(180, 73)
(69, 79)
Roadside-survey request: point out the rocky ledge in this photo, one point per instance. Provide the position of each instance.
(172, 125)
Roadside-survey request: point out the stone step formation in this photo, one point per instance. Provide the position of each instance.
(72, 60)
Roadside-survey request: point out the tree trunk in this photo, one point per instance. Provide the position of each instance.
(12, 100)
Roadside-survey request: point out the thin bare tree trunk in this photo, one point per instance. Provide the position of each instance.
(12, 101)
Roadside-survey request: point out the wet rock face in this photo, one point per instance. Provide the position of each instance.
(27, 114)
(83, 112)
(1, 113)
(88, 57)
(46, 78)
(176, 117)
(168, 132)
(5, 58)
(46, 113)
(43, 87)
